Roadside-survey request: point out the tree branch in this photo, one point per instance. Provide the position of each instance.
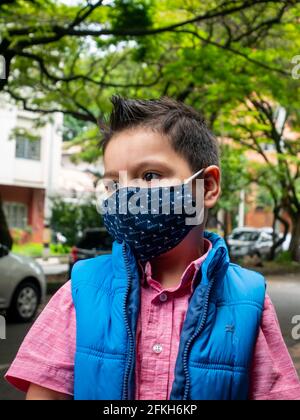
(234, 51)
(56, 79)
(75, 114)
(219, 11)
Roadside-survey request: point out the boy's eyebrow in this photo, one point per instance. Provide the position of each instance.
(143, 164)
(150, 163)
(111, 174)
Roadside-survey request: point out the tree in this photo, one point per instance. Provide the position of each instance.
(71, 219)
(255, 126)
(235, 177)
(269, 193)
(214, 55)
(71, 58)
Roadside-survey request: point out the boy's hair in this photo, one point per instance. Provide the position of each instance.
(183, 125)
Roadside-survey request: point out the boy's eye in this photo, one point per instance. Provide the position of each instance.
(149, 176)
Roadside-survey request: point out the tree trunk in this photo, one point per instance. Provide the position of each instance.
(295, 240)
(285, 223)
(5, 236)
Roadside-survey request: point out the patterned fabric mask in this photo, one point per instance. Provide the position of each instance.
(151, 221)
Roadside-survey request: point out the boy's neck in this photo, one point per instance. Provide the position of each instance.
(168, 268)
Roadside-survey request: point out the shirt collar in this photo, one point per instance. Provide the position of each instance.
(188, 276)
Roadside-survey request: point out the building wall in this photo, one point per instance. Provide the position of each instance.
(264, 218)
(29, 181)
(36, 215)
(26, 172)
(33, 199)
(259, 218)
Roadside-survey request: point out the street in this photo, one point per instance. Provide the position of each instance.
(284, 292)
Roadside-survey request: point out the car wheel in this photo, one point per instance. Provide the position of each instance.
(25, 302)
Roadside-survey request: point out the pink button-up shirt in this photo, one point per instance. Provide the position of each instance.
(158, 331)
(46, 356)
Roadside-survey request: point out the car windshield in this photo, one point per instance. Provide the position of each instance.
(245, 236)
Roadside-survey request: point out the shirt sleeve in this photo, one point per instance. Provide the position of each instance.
(273, 375)
(46, 356)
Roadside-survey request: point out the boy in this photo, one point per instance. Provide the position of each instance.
(177, 322)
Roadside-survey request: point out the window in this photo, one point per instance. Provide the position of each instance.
(28, 149)
(265, 238)
(16, 214)
(245, 236)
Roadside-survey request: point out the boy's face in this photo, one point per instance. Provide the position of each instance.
(147, 156)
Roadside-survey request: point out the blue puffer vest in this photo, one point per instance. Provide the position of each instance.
(217, 338)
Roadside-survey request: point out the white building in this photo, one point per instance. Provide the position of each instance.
(30, 166)
(78, 182)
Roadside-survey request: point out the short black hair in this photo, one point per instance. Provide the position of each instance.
(183, 125)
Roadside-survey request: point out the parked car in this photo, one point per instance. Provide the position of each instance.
(22, 285)
(287, 242)
(94, 241)
(251, 242)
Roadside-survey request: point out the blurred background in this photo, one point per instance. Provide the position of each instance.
(238, 62)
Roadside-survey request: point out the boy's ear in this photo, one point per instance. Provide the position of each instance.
(212, 185)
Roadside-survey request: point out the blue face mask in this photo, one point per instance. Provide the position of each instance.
(151, 221)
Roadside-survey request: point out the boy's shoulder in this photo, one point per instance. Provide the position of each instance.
(243, 283)
(88, 268)
(246, 273)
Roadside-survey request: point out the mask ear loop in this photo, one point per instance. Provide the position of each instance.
(194, 176)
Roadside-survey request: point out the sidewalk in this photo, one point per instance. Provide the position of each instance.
(54, 269)
(52, 260)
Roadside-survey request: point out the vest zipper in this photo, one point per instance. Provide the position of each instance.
(196, 333)
(129, 360)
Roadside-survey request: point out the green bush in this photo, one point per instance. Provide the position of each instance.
(59, 249)
(35, 250)
(284, 257)
(29, 249)
(71, 219)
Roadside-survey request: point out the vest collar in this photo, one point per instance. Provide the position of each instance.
(216, 262)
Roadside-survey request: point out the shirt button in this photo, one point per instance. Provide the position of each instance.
(163, 297)
(157, 348)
